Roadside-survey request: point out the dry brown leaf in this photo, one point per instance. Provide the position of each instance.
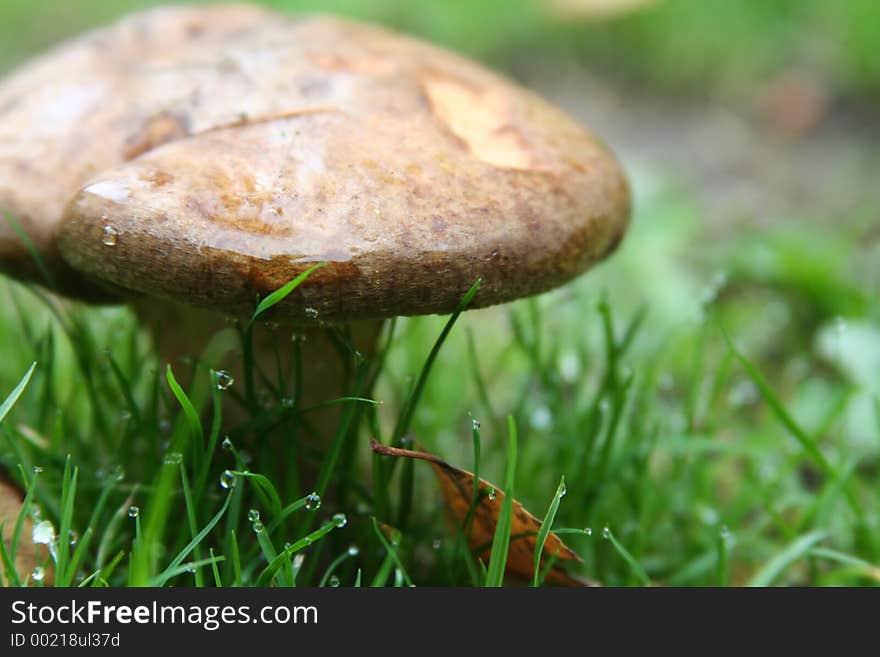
(457, 486)
(27, 557)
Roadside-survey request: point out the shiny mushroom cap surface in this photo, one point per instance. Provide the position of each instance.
(289, 141)
(92, 103)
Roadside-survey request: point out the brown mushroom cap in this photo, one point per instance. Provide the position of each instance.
(29, 555)
(410, 170)
(94, 103)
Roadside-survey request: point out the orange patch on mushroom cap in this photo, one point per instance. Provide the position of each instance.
(484, 119)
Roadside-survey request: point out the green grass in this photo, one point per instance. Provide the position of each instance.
(711, 430)
(711, 395)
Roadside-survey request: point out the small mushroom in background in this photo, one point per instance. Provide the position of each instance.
(238, 157)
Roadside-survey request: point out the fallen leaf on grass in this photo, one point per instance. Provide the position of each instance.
(457, 486)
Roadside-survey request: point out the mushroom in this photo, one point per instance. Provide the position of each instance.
(409, 170)
(93, 103)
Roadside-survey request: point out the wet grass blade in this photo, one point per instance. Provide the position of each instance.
(9, 402)
(192, 416)
(547, 523)
(405, 418)
(63, 572)
(391, 551)
(284, 557)
(634, 565)
(501, 540)
(173, 568)
(8, 559)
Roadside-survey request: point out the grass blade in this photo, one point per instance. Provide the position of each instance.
(281, 293)
(501, 540)
(798, 549)
(405, 419)
(549, 517)
(9, 402)
(192, 417)
(636, 567)
(283, 557)
(391, 550)
(172, 569)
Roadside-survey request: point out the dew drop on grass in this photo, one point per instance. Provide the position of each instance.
(491, 494)
(38, 469)
(606, 533)
(333, 581)
(38, 574)
(588, 531)
(311, 312)
(109, 236)
(227, 479)
(253, 515)
(258, 527)
(133, 511)
(226, 444)
(340, 520)
(224, 380)
(313, 502)
(436, 544)
(44, 533)
(476, 425)
(117, 473)
(353, 550)
(173, 458)
(72, 537)
(562, 491)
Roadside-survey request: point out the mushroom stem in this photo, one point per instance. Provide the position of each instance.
(182, 332)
